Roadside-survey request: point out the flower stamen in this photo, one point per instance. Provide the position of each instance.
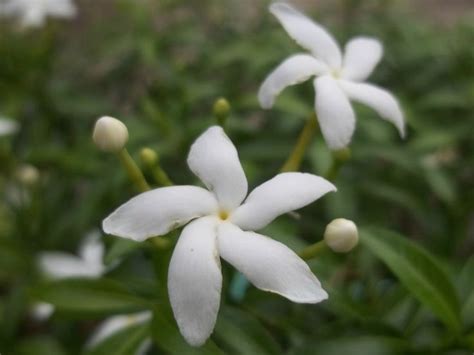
(223, 215)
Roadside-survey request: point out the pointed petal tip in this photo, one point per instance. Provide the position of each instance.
(193, 340)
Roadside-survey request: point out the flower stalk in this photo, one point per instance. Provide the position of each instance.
(339, 158)
(295, 159)
(313, 250)
(134, 173)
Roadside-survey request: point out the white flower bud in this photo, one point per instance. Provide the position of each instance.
(110, 134)
(341, 235)
(27, 174)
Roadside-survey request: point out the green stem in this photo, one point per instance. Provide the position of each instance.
(293, 162)
(313, 250)
(161, 177)
(134, 173)
(339, 157)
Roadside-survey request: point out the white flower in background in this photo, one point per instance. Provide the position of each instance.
(7, 126)
(220, 228)
(60, 265)
(33, 13)
(115, 324)
(339, 78)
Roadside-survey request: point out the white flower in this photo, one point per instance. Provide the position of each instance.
(220, 228)
(60, 265)
(33, 13)
(115, 324)
(7, 127)
(338, 78)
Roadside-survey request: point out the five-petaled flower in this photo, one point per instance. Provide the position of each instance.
(220, 227)
(33, 13)
(338, 78)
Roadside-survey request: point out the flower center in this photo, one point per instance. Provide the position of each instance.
(223, 215)
(336, 73)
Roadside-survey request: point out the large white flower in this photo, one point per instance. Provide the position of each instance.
(33, 13)
(220, 228)
(339, 78)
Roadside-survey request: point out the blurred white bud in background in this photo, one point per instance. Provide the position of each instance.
(341, 235)
(110, 134)
(33, 13)
(27, 174)
(7, 126)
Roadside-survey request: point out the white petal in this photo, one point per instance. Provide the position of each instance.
(62, 265)
(159, 211)
(194, 280)
(308, 33)
(284, 193)
(293, 70)
(214, 159)
(335, 114)
(382, 101)
(114, 324)
(361, 56)
(269, 265)
(7, 127)
(92, 249)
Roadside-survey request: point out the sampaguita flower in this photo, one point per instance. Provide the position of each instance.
(220, 226)
(339, 78)
(33, 13)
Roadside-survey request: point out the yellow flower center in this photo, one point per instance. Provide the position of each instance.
(223, 215)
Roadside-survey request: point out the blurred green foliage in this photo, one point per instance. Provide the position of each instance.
(159, 66)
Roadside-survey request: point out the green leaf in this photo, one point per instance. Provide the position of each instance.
(364, 344)
(418, 271)
(167, 337)
(124, 342)
(85, 297)
(39, 345)
(243, 334)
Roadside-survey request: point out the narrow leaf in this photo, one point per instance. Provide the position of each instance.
(418, 271)
(84, 296)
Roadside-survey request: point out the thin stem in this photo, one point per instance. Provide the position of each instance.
(134, 173)
(161, 177)
(339, 158)
(313, 250)
(293, 162)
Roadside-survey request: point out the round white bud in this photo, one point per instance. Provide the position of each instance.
(27, 174)
(341, 235)
(110, 134)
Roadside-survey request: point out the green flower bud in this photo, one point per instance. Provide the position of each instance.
(148, 156)
(221, 110)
